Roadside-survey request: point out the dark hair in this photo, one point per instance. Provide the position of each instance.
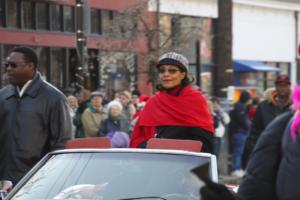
(187, 80)
(215, 99)
(136, 92)
(29, 54)
(245, 96)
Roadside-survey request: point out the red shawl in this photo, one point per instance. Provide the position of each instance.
(188, 109)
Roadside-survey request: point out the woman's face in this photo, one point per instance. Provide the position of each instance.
(115, 111)
(170, 76)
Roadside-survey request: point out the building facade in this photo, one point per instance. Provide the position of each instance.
(267, 32)
(116, 54)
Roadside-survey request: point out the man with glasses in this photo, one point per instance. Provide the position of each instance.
(34, 116)
(177, 111)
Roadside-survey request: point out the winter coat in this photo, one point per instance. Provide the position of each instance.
(91, 120)
(31, 126)
(288, 176)
(111, 124)
(223, 119)
(240, 121)
(266, 111)
(187, 133)
(260, 179)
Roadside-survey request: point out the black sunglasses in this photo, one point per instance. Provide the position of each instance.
(162, 70)
(12, 64)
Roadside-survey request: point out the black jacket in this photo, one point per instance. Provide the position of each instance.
(260, 179)
(110, 125)
(288, 176)
(265, 113)
(31, 126)
(240, 121)
(187, 133)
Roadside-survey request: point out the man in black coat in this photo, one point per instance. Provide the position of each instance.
(276, 103)
(34, 116)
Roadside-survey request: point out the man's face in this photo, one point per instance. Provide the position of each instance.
(96, 101)
(18, 71)
(283, 89)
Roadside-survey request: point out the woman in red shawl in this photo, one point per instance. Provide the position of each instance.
(177, 111)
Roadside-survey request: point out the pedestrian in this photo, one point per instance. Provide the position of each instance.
(135, 95)
(273, 169)
(115, 120)
(34, 116)
(239, 129)
(128, 107)
(223, 120)
(84, 102)
(73, 104)
(93, 115)
(276, 102)
(177, 111)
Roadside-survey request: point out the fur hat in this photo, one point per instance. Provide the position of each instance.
(173, 58)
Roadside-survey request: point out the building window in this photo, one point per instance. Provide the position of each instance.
(284, 68)
(43, 54)
(56, 16)
(106, 21)
(68, 13)
(2, 13)
(42, 16)
(12, 13)
(95, 21)
(27, 15)
(57, 65)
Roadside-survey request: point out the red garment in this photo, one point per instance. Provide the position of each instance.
(188, 109)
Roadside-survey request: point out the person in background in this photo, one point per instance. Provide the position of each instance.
(128, 108)
(84, 101)
(177, 111)
(277, 102)
(223, 120)
(34, 116)
(239, 129)
(273, 169)
(135, 97)
(73, 104)
(115, 120)
(252, 107)
(93, 115)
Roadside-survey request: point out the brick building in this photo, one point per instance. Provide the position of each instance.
(116, 55)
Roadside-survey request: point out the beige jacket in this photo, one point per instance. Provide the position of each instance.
(91, 120)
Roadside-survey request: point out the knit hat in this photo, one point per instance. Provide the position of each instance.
(96, 94)
(119, 139)
(114, 103)
(283, 79)
(173, 58)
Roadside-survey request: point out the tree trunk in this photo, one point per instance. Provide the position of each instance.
(222, 70)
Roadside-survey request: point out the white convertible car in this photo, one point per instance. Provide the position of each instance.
(117, 174)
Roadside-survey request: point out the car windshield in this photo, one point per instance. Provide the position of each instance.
(115, 176)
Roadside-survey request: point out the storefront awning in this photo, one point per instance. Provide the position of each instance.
(252, 66)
